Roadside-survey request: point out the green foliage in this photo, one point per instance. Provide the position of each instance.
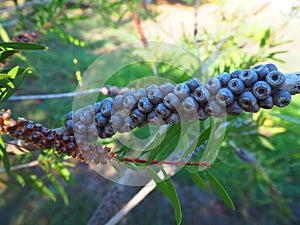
(4, 156)
(220, 189)
(166, 186)
(224, 49)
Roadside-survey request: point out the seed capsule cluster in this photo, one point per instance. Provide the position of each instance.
(45, 138)
(242, 90)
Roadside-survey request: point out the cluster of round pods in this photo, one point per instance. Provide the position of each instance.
(45, 138)
(242, 90)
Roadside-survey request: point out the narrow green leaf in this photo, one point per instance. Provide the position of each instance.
(21, 46)
(285, 117)
(166, 186)
(173, 198)
(166, 146)
(4, 156)
(198, 180)
(37, 185)
(59, 188)
(5, 54)
(15, 84)
(220, 189)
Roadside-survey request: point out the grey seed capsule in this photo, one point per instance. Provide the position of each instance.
(201, 114)
(166, 88)
(261, 71)
(271, 67)
(190, 105)
(130, 123)
(80, 138)
(235, 74)
(193, 83)
(129, 102)
(224, 97)
(171, 101)
(108, 131)
(69, 124)
(138, 117)
(234, 109)
(97, 107)
(247, 100)
(144, 105)
(100, 120)
(182, 91)
(254, 109)
(106, 108)
(213, 85)
(69, 116)
(224, 78)
(173, 118)
(266, 103)
(249, 77)
(118, 102)
(80, 128)
(140, 93)
(282, 98)
(86, 118)
(276, 79)
(129, 93)
(155, 95)
(116, 121)
(162, 111)
(236, 85)
(201, 95)
(261, 90)
(212, 108)
(77, 114)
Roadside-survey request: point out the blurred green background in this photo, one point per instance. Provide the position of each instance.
(264, 193)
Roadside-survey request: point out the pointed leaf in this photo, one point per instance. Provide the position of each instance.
(59, 188)
(21, 46)
(220, 189)
(198, 180)
(4, 156)
(166, 186)
(5, 54)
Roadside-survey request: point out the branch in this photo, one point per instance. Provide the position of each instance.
(22, 166)
(141, 195)
(107, 90)
(292, 83)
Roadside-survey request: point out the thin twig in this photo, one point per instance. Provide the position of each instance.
(107, 90)
(215, 54)
(141, 33)
(134, 201)
(196, 6)
(21, 166)
(157, 162)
